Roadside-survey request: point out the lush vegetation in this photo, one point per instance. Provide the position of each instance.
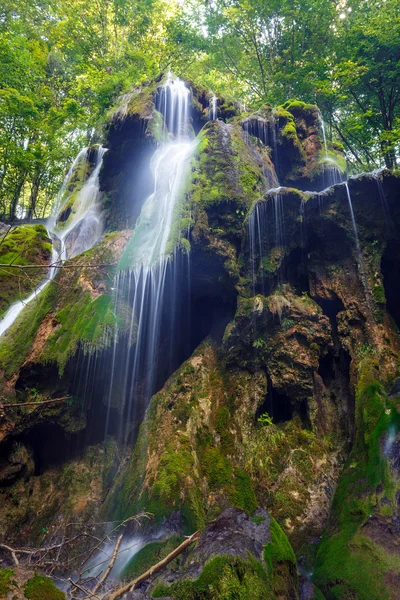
(63, 65)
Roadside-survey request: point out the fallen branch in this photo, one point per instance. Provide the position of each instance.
(154, 569)
(12, 551)
(82, 589)
(110, 566)
(34, 403)
(56, 266)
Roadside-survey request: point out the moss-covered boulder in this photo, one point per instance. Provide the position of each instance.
(359, 556)
(249, 557)
(22, 245)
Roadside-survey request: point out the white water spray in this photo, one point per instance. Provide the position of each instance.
(84, 229)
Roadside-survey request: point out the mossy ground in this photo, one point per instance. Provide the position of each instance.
(23, 245)
(7, 582)
(42, 588)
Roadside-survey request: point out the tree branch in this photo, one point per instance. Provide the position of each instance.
(133, 584)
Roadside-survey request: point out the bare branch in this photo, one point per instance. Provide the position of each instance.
(110, 566)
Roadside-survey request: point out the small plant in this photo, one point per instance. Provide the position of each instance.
(259, 343)
(287, 324)
(265, 420)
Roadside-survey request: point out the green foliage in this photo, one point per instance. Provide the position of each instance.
(222, 578)
(42, 588)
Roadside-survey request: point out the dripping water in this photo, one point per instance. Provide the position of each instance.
(360, 258)
(331, 173)
(213, 108)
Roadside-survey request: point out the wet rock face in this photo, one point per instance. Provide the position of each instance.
(234, 533)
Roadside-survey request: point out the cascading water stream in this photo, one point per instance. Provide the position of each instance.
(148, 277)
(332, 174)
(360, 258)
(83, 231)
(213, 108)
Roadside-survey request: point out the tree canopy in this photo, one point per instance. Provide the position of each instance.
(63, 65)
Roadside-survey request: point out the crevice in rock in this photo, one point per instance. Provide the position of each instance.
(390, 266)
(280, 407)
(334, 370)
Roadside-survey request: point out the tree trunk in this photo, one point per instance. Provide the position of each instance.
(15, 199)
(33, 196)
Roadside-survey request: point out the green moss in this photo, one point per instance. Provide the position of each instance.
(6, 582)
(222, 578)
(278, 550)
(148, 556)
(243, 496)
(379, 294)
(83, 321)
(349, 564)
(15, 343)
(216, 468)
(23, 245)
(299, 108)
(42, 588)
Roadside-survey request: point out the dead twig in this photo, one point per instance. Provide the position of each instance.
(110, 566)
(133, 584)
(82, 589)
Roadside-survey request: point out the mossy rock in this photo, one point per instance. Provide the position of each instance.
(358, 556)
(42, 588)
(148, 556)
(222, 578)
(23, 245)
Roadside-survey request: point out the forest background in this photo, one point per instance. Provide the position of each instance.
(64, 63)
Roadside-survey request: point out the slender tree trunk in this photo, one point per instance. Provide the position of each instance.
(15, 199)
(33, 196)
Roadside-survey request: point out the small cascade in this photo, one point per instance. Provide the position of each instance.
(385, 206)
(173, 104)
(332, 174)
(360, 257)
(266, 132)
(254, 227)
(267, 238)
(213, 108)
(153, 269)
(84, 228)
(84, 225)
(390, 440)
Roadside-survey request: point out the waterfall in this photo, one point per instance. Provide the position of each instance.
(152, 270)
(84, 225)
(213, 108)
(83, 231)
